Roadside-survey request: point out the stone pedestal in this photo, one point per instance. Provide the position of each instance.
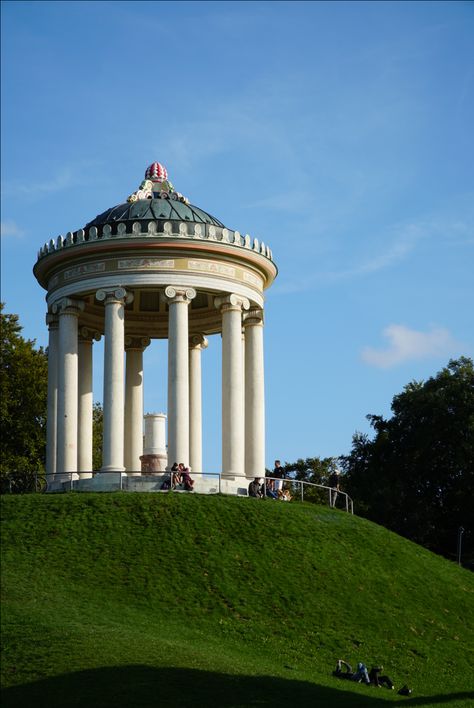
(155, 457)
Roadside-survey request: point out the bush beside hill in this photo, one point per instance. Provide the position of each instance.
(184, 600)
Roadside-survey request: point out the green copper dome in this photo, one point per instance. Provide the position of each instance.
(156, 209)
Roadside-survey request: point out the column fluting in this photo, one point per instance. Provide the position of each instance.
(178, 300)
(113, 440)
(52, 406)
(68, 311)
(254, 395)
(133, 435)
(85, 403)
(233, 428)
(196, 344)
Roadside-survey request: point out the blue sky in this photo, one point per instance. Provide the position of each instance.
(339, 133)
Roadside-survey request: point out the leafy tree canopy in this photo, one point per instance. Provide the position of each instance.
(312, 469)
(23, 398)
(97, 435)
(417, 473)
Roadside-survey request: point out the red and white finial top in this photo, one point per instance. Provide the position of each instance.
(156, 186)
(156, 172)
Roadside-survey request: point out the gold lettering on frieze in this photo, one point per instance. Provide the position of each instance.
(144, 264)
(253, 280)
(208, 267)
(83, 270)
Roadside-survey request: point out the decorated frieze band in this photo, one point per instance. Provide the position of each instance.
(199, 267)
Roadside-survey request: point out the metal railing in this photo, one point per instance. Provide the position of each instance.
(21, 482)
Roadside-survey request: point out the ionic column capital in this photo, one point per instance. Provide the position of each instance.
(136, 343)
(172, 295)
(52, 321)
(254, 317)
(88, 335)
(68, 306)
(119, 295)
(231, 302)
(198, 341)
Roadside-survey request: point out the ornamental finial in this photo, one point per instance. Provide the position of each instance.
(156, 185)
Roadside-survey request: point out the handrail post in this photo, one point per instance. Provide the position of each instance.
(219, 483)
(302, 489)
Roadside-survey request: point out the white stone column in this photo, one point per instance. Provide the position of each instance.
(233, 430)
(85, 403)
(68, 311)
(196, 344)
(133, 436)
(254, 395)
(52, 409)
(112, 452)
(178, 300)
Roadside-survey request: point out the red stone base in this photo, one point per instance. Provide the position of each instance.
(153, 463)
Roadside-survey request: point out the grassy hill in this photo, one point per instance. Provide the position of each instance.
(183, 600)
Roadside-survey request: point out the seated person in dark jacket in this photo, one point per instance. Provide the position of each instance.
(255, 488)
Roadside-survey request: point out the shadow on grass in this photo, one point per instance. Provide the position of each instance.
(149, 687)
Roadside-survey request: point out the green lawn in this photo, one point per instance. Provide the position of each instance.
(183, 600)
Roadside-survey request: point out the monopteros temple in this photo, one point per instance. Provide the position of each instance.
(154, 267)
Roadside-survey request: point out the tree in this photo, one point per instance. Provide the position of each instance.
(417, 474)
(314, 470)
(23, 400)
(97, 435)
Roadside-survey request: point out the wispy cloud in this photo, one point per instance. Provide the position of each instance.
(290, 201)
(407, 344)
(65, 178)
(57, 183)
(401, 245)
(401, 241)
(9, 229)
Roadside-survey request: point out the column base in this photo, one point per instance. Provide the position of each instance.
(112, 468)
(153, 463)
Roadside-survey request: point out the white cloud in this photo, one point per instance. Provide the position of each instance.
(82, 172)
(407, 344)
(403, 243)
(400, 243)
(11, 230)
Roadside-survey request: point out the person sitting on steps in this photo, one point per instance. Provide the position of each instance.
(255, 488)
(186, 477)
(175, 476)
